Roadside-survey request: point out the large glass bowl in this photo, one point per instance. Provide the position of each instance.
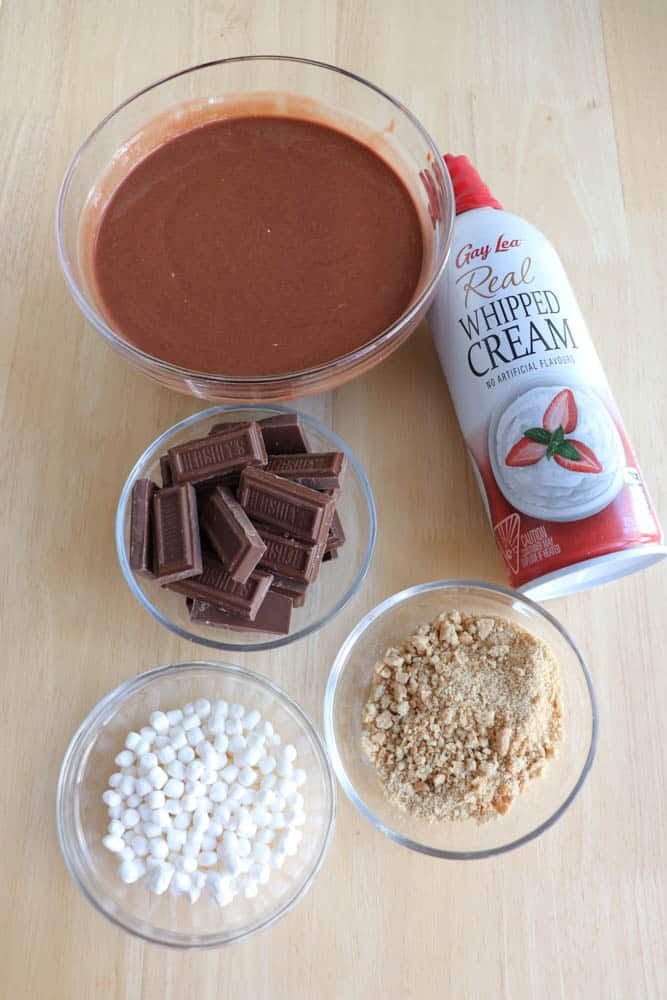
(331, 95)
(338, 580)
(543, 801)
(82, 816)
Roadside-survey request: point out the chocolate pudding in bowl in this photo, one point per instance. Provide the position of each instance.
(258, 228)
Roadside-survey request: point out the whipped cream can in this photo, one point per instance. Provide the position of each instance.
(561, 485)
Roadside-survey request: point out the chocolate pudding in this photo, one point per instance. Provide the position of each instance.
(256, 246)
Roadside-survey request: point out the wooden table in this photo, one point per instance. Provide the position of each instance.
(561, 106)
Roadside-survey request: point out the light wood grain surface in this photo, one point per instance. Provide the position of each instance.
(561, 105)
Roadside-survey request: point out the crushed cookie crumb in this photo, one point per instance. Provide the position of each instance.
(477, 713)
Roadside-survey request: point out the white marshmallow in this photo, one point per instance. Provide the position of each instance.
(158, 848)
(166, 754)
(190, 721)
(125, 758)
(113, 843)
(130, 818)
(195, 735)
(174, 789)
(202, 708)
(156, 798)
(112, 798)
(131, 740)
(159, 722)
(132, 871)
(115, 779)
(174, 717)
(157, 777)
(186, 754)
(159, 877)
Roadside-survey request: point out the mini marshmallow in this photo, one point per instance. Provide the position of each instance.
(161, 741)
(178, 737)
(246, 777)
(158, 848)
(180, 883)
(125, 758)
(173, 806)
(202, 708)
(261, 852)
(111, 798)
(132, 871)
(131, 740)
(174, 789)
(176, 770)
(233, 726)
(116, 828)
(159, 877)
(115, 779)
(174, 717)
(195, 735)
(159, 722)
(142, 786)
(130, 818)
(267, 764)
(229, 773)
(194, 770)
(190, 721)
(157, 777)
(221, 743)
(175, 839)
(188, 709)
(298, 776)
(113, 843)
(156, 798)
(115, 812)
(142, 747)
(148, 733)
(186, 754)
(182, 821)
(140, 846)
(251, 719)
(152, 830)
(166, 754)
(243, 847)
(260, 872)
(133, 801)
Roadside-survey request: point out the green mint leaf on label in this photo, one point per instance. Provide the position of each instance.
(558, 436)
(539, 434)
(567, 450)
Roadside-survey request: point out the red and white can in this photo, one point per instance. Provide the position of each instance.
(561, 485)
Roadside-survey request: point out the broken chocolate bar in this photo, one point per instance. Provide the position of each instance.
(215, 586)
(218, 455)
(336, 537)
(297, 510)
(222, 427)
(294, 589)
(141, 529)
(177, 550)
(283, 434)
(290, 558)
(274, 616)
(231, 533)
(165, 469)
(319, 470)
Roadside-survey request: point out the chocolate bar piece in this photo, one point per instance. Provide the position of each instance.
(274, 615)
(290, 558)
(336, 537)
(141, 529)
(215, 586)
(165, 469)
(294, 509)
(231, 534)
(319, 470)
(294, 589)
(328, 556)
(177, 550)
(283, 434)
(222, 427)
(218, 455)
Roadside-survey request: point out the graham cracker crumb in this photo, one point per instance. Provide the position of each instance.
(466, 713)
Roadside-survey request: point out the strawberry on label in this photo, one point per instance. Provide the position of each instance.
(525, 452)
(561, 412)
(578, 458)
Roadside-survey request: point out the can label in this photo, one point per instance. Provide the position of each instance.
(555, 467)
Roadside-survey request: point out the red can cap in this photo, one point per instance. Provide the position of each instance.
(470, 191)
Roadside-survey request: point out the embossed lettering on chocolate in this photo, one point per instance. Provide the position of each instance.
(257, 246)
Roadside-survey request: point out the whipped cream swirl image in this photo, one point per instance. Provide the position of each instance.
(556, 453)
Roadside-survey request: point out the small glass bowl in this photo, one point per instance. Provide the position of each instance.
(82, 817)
(338, 580)
(327, 93)
(543, 801)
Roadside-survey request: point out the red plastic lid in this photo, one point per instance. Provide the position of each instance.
(470, 191)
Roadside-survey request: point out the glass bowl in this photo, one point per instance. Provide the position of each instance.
(82, 817)
(338, 580)
(544, 800)
(322, 92)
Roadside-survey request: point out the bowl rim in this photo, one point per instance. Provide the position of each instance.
(265, 382)
(115, 699)
(278, 641)
(330, 734)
